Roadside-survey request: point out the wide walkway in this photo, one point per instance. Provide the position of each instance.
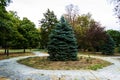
(15, 71)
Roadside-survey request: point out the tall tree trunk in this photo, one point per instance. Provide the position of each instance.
(7, 52)
(5, 49)
(24, 50)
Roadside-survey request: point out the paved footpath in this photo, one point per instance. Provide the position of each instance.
(15, 71)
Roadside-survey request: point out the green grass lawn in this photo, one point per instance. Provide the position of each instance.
(15, 50)
(14, 53)
(40, 50)
(19, 52)
(11, 55)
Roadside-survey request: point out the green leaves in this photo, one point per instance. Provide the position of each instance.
(47, 24)
(4, 2)
(115, 35)
(29, 32)
(108, 47)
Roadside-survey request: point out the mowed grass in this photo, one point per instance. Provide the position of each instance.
(15, 50)
(14, 53)
(81, 63)
(41, 50)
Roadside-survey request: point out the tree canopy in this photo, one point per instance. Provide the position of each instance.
(116, 7)
(47, 24)
(115, 35)
(30, 34)
(76, 28)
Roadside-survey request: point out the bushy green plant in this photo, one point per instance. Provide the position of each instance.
(117, 49)
(89, 59)
(95, 67)
(62, 45)
(109, 46)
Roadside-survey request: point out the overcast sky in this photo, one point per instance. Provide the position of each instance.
(101, 10)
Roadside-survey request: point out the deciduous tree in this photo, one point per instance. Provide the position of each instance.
(5, 25)
(30, 34)
(83, 23)
(72, 12)
(116, 7)
(95, 36)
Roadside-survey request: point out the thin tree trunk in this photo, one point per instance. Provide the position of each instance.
(5, 49)
(24, 50)
(7, 52)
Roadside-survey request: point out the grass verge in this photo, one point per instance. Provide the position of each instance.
(82, 63)
(11, 55)
(16, 50)
(97, 54)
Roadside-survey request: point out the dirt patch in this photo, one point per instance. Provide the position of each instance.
(81, 63)
(3, 78)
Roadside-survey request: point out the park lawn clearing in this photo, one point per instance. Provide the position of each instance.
(80, 64)
(16, 50)
(11, 55)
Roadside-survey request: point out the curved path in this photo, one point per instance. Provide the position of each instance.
(11, 69)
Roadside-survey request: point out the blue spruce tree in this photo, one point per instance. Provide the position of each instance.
(62, 45)
(109, 46)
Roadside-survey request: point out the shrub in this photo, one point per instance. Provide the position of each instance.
(95, 67)
(117, 49)
(109, 46)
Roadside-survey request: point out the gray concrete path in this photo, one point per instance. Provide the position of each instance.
(15, 71)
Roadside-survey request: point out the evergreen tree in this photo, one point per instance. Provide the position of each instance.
(115, 35)
(47, 24)
(62, 45)
(109, 46)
